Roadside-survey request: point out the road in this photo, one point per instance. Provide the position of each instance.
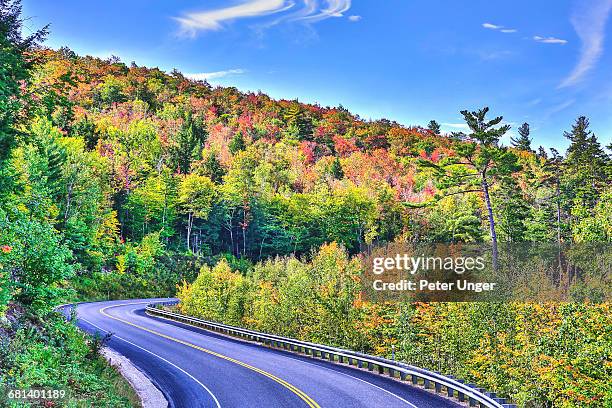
(197, 368)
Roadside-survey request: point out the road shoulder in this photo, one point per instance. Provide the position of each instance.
(150, 396)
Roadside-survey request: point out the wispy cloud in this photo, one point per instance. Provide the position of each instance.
(207, 76)
(214, 19)
(456, 126)
(589, 21)
(311, 11)
(499, 28)
(492, 26)
(549, 40)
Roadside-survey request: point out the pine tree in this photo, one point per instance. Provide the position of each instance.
(299, 126)
(478, 163)
(15, 71)
(523, 142)
(336, 169)
(189, 142)
(588, 166)
(237, 144)
(434, 127)
(211, 167)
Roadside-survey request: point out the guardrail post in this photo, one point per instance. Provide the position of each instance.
(370, 366)
(450, 392)
(438, 387)
(402, 376)
(426, 383)
(414, 379)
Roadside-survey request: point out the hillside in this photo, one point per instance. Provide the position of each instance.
(124, 181)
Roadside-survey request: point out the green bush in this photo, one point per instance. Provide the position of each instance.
(54, 353)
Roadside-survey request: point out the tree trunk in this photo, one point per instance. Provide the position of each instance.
(243, 241)
(559, 256)
(189, 226)
(558, 213)
(485, 189)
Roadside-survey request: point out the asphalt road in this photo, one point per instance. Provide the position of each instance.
(197, 368)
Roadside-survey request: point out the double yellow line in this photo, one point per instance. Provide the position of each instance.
(301, 394)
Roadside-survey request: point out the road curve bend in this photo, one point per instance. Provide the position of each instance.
(197, 368)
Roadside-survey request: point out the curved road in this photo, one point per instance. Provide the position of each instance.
(197, 368)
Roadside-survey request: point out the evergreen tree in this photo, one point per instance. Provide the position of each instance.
(523, 142)
(237, 144)
(15, 71)
(434, 127)
(542, 153)
(211, 167)
(587, 164)
(190, 140)
(336, 169)
(299, 126)
(512, 211)
(478, 163)
(553, 170)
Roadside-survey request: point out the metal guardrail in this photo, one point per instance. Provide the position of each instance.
(429, 380)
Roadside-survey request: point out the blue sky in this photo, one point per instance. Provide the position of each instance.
(544, 62)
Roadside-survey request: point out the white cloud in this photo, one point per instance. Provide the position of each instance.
(463, 126)
(311, 11)
(549, 40)
(315, 10)
(206, 76)
(589, 22)
(354, 19)
(499, 28)
(492, 26)
(213, 19)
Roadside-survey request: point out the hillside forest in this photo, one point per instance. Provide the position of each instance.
(123, 181)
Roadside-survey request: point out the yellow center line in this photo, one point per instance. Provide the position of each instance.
(303, 396)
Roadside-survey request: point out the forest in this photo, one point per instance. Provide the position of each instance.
(122, 181)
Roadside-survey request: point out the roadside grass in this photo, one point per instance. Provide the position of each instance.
(50, 352)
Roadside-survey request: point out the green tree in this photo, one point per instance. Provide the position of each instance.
(195, 198)
(299, 126)
(434, 127)
(210, 166)
(15, 72)
(237, 144)
(523, 142)
(189, 141)
(479, 162)
(336, 169)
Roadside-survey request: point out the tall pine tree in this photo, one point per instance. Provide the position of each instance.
(523, 142)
